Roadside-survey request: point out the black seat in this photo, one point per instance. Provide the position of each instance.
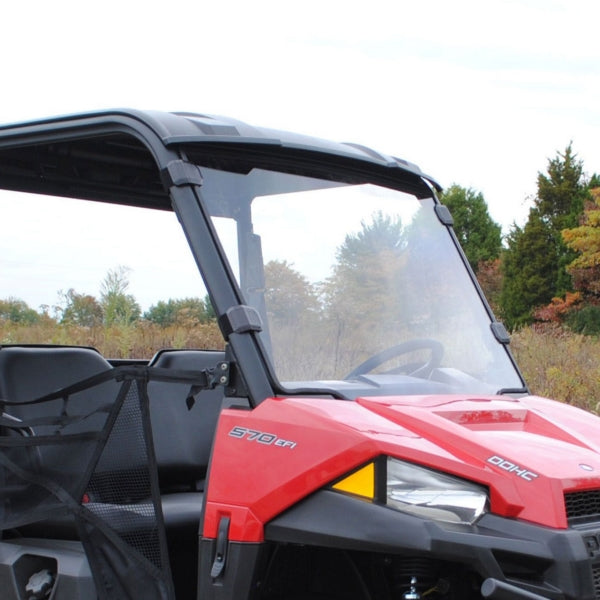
(28, 372)
(182, 442)
(182, 437)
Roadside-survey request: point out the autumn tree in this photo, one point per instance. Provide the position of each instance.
(294, 321)
(585, 240)
(180, 311)
(489, 276)
(479, 236)
(288, 294)
(80, 309)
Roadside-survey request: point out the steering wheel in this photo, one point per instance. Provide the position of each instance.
(421, 369)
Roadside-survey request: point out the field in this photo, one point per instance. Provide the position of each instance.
(555, 362)
(559, 364)
(139, 340)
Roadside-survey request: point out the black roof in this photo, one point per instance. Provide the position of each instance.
(108, 151)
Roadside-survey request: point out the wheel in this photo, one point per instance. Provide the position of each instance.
(420, 369)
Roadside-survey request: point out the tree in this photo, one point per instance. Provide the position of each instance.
(585, 240)
(183, 311)
(366, 270)
(561, 191)
(529, 263)
(479, 236)
(489, 275)
(366, 275)
(560, 198)
(81, 309)
(119, 308)
(534, 265)
(17, 311)
(288, 294)
(211, 314)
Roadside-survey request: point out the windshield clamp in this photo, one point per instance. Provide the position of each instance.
(240, 319)
(500, 332)
(443, 214)
(179, 173)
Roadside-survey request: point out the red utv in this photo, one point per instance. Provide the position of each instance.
(359, 432)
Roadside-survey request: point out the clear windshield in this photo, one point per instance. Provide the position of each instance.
(359, 286)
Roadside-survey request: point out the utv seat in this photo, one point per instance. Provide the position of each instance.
(30, 372)
(182, 437)
(183, 442)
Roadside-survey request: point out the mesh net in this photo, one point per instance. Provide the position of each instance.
(83, 458)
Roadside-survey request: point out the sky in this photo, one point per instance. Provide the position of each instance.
(481, 93)
(478, 93)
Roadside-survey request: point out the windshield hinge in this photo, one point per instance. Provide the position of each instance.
(180, 173)
(444, 215)
(214, 377)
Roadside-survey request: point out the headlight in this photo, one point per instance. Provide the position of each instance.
(416, 490)
(433, 495)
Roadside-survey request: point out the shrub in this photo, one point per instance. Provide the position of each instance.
(585, 320)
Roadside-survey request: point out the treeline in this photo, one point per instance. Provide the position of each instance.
(113, 323)
(114, 307)
(547, 270)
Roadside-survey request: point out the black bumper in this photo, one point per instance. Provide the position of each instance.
(553, 563)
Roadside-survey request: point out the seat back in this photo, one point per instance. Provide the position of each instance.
(183, 436)
(29, 372)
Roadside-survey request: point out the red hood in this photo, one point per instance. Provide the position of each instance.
(527, 451)
(541, 448)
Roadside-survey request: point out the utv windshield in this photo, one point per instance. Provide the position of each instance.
(360, 288)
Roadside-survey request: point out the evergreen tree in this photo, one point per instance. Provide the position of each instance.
(528, 264)
(561, 192)
(479, 236)
(534, 265)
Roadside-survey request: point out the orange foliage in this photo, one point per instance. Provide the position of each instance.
(558, 308)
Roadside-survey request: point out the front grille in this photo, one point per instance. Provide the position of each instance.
(583, 507)
(596, 576)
